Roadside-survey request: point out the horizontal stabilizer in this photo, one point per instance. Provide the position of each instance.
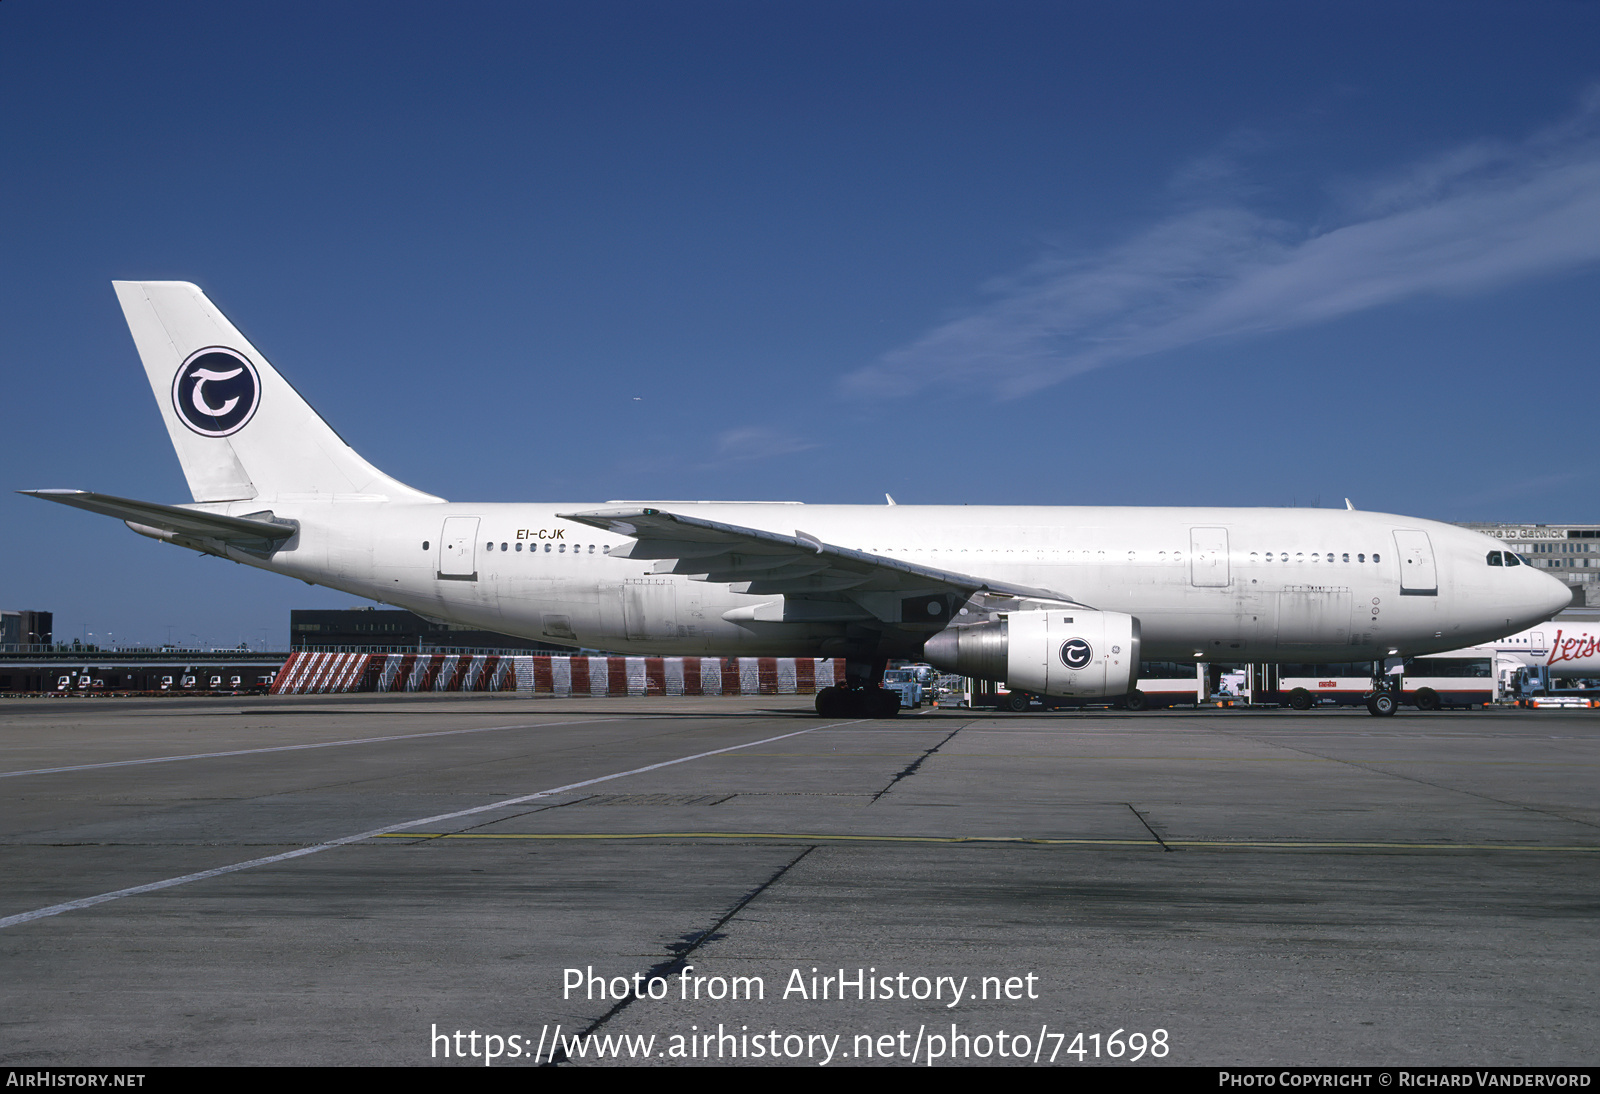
(163, 521)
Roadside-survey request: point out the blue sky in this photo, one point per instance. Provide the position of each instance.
(1045, 253)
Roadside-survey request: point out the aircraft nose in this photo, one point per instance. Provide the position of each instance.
(1555, 595)
(1536, 597)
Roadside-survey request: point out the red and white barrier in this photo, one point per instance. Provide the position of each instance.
(321, 673)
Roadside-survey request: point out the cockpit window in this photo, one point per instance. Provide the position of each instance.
(1494, 559)
(1516, 560)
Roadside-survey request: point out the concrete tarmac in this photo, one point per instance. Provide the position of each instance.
(358, 879)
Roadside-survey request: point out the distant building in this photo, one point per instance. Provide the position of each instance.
(377, 630)
(19, 629)
(1570, 552)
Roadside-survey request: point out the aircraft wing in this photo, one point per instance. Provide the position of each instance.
(806, 571)
(167, 521)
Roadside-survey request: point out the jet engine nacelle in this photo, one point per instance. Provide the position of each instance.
(1067, 652)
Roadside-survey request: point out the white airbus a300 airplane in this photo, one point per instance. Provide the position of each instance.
(1055, 601)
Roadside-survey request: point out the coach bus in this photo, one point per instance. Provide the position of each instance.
(1166, 684)
(1303, 686)
(1465, 678)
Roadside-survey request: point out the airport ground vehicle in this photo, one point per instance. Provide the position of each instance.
(124, 674)
(1464, 678)
(1160, 684)
(1430, 683)
(905, 681)
(1166, 684)
(1302, 686)
(1536, 661)
(1058, 601)
(1537, 681)
(993, 695)
(1557, 658)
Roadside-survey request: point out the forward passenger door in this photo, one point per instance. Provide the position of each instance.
(1418, 575)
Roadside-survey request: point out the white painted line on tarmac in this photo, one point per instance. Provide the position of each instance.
(90, 901)
(296, 748)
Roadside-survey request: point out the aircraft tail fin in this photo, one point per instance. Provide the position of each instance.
(240, 429)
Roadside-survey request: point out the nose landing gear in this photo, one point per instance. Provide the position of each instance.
(1381, 703)
(1384, 698)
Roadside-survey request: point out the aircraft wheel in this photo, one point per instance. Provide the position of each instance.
(1135, 700)
(885, 704)
(1016, 702)
(833, 703)
(1427, 699)
(1382, 704)
(1300, 699)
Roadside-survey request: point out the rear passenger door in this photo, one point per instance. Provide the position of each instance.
(458, 549)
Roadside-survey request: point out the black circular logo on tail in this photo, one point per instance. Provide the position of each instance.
(1076, 653)
(216, 391)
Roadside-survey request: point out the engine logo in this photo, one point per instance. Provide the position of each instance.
(1076, 653)
(216, 392)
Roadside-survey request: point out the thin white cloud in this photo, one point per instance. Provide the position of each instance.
(1525, 489)
(756, 442)
(1477, 217)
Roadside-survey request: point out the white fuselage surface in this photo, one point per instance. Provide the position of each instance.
(1303, 583)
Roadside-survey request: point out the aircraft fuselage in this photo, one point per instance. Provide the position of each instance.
(1219, 584)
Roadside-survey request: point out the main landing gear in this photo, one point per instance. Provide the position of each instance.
(862, 695)
(858, 703)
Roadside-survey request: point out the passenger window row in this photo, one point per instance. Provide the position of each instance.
(533, 548)
(1301, 556)
(1495, 558)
